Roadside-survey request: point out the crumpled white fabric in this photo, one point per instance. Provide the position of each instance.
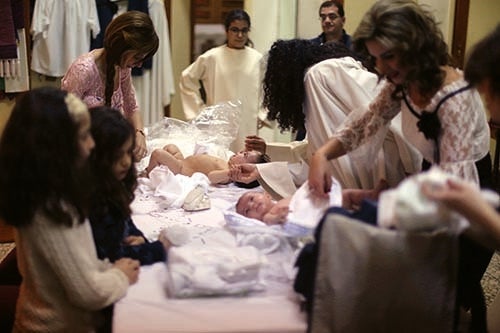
(407, 208)
(197, 270)
(172, 188)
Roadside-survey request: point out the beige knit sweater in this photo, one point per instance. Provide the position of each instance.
(64, 283)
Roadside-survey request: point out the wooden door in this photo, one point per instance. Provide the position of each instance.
(458, 46)
(210, 12)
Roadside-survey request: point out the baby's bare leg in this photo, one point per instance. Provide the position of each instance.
(174, 151)
(163, 157)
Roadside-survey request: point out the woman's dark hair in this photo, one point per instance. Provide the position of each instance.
(40, 162)
(482, 63)
(253, 184)
(130, 31)
(287, 62)
(238, 14)
(110, 130)
(411, 32)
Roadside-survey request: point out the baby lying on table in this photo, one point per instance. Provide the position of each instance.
(302, 208)
(215, 168)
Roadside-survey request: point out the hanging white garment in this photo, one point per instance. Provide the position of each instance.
(20, 81)
(61, 31)
(155, 86)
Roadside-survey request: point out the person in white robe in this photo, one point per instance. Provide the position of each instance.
(335, 84)
(230, 72)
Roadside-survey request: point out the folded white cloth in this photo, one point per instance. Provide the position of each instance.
(196, 270)
(173, 189)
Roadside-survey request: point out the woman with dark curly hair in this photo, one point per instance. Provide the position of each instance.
(443, 116)
(314, 87)
(287, 63)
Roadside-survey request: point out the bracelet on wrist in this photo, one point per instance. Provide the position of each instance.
(140, 130)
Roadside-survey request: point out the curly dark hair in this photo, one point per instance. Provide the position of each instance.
(287, 62)
(412, 32)
(110, 130)
(40, 160)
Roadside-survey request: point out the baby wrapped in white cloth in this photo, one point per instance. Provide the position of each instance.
(297, 215)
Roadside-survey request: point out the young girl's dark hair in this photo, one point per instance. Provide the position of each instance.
(110, 130)
(238, 14)
(287, 62)
(40, 162)
(482, 62)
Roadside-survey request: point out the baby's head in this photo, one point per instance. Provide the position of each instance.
(249, 156)
(254, 204)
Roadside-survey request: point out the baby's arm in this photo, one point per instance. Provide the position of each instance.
(219, 176)
(278, 213)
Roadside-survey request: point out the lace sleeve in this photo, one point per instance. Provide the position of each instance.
(362, 124)
(83, 80)
(465, 135)
(130, 104)
(76, 79)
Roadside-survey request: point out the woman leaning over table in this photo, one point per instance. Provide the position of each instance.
(442, 116)
(103, 76)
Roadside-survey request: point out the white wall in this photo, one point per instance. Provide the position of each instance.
(271, 20)
(444, 11)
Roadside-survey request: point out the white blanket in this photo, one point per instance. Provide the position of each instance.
(198, 270)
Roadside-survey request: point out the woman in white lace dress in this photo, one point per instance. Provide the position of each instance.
(442, 116)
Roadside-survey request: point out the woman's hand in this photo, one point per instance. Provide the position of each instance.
(254, 142)
(320, 180)
(130, 267)
(141, 149)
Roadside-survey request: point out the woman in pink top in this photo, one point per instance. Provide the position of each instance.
(103, 76)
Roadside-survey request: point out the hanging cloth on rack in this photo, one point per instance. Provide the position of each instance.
(106, 10)
(12, 17)
(62, 26)
(155, 88)
(142, 6)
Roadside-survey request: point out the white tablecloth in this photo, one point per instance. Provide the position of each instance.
(147, 308)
